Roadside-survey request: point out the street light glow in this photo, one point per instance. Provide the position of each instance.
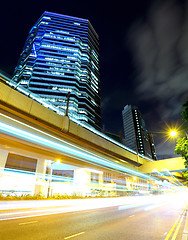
(173, 133)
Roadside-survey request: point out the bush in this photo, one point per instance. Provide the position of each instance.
(66, 196)
(101, 194)
(13, 197)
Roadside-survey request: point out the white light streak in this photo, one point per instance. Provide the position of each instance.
(66, 149)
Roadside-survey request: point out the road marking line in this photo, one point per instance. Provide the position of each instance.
(74, 235)
(172, 229)
(178, 228)
(27, 223)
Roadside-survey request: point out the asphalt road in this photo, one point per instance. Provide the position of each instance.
(136, 218)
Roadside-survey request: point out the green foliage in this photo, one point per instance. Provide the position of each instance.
(185, 176)
(182, 142)
(185, 112)
(13, 197)
(66, 196)
(182, 149)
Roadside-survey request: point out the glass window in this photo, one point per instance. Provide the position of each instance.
(94, 177)
(15, 161)
(106, 177)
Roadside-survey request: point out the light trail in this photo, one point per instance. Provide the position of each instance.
(60, 112)
(78, 152)
(175, 179)
(76, 205)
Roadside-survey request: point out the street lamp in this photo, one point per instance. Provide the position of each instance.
(173, 133)
(58, 161)
(50, 163)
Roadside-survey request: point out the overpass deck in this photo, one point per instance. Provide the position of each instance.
(17, 106)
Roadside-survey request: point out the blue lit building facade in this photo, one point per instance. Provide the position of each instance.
(61, 55)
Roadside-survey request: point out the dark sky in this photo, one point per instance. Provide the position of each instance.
(143, 54)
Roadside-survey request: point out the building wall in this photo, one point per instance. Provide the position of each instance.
(61, 55)
(136, 135)
(19, 177)
(129, 128)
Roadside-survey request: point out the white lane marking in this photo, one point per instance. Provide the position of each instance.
(74, 235)
(27, 223)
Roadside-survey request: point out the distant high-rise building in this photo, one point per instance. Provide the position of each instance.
(61, 55)
(136, 135)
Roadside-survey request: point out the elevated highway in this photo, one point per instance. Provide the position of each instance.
(171, 164)
(34, 131)
(18, 110)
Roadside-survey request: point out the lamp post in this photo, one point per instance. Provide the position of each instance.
(50, 177)
(67, 108)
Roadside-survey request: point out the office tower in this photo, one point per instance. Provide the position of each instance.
(136, 135)
(61, 55)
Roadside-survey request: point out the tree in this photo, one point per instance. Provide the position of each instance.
(182, 149)
(182, 142)
(185, 175)
(185, 112)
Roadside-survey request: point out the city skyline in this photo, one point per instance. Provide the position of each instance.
(124, 31)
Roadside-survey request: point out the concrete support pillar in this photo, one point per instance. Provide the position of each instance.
(3, 159)
(81, 181)
(40, 177)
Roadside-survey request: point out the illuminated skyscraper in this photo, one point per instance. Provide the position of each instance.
(136, 135)
(61, 55)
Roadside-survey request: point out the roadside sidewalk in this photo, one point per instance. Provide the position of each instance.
(185, 231)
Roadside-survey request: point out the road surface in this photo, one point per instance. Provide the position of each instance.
(125, 218)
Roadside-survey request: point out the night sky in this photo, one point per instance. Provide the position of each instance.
(143, 55)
